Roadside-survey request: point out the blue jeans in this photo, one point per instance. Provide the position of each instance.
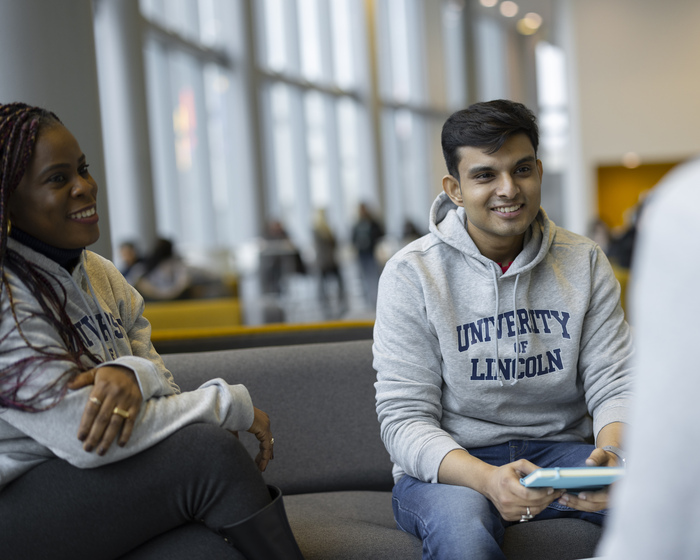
(457, 522)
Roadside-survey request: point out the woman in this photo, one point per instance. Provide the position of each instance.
(100, 453)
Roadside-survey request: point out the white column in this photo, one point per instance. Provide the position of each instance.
(48, 59)
(118, 26)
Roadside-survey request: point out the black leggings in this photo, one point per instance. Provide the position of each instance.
(165, 502)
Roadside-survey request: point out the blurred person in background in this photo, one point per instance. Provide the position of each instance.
(325, 246)
(366, 233)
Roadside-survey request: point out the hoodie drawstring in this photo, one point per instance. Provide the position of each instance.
(499, 375)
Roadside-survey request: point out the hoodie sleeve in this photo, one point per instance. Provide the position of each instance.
(409, 379)
(125, 302)
(215, 402)
(606, 348)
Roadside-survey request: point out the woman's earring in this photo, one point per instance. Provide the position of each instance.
(9, 226)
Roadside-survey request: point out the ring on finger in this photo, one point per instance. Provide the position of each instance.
(121, 412)
(95, 400)
(526, 517)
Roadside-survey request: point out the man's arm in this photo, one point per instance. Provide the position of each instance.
(501, 485)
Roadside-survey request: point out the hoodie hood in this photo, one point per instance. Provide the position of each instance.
(447, 222)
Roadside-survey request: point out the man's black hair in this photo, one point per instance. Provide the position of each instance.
(486, 125)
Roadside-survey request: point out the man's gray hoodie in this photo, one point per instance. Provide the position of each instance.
(107, 312)
(468, 356)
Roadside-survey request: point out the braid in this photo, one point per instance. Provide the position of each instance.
(19, 127)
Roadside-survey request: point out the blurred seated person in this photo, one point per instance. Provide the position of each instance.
(162, 275)
(130, 256)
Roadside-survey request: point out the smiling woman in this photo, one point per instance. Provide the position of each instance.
(78, 373)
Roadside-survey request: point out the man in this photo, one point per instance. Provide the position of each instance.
(500, 346)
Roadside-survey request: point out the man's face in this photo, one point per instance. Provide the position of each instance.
(500, 193)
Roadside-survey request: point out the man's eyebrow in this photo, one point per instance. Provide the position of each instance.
(480, 169)
(487, 168)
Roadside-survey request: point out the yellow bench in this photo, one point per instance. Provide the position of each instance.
(192, 314)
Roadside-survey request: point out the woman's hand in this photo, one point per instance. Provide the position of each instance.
(261, 430)
(115, 388)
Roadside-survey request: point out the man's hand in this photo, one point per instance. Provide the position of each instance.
(592, 500)
(113, 387)
(510, 497)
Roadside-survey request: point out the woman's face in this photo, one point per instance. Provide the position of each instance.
(56, 200)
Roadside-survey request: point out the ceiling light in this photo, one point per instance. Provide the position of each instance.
(508, 8)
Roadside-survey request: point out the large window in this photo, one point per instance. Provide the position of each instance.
(270, 109)
(203, 164)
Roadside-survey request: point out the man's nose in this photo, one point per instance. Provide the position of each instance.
(507, 187)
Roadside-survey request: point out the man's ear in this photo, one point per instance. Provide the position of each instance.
(451, 187)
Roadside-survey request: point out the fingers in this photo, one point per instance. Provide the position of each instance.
(515, 510)
(111, 409)
(586, 501)
(261, 430)
(81, 380)
(600, 458)
(106, 426)
(266, 453)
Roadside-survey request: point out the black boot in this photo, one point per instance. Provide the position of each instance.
(265, 535)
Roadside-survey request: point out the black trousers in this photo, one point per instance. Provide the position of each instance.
(165, 502)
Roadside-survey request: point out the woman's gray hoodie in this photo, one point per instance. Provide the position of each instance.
(107, 312)
(468, 356)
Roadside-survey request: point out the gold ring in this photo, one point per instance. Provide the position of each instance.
(95, 400)
(121, 412)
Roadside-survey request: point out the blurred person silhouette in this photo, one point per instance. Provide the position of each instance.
(162, 275)
(410, 232)
(654, 508)
(129, 256)
(326, 263)
(621, 244)
(599, 232)
(279, 258)
(366, 233)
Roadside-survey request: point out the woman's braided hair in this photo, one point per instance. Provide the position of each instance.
(19, 127)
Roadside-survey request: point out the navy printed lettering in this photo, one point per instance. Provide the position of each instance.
(563, 321)
(524, 320)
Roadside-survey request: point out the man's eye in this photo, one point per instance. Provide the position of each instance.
(83, 170)
(524, 169)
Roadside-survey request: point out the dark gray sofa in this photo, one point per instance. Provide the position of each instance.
(329, 460)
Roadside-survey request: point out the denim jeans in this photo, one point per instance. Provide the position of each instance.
(457, 522)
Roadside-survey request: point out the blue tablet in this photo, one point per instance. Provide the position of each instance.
(573, 478)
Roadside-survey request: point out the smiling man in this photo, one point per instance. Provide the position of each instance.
(500, 347)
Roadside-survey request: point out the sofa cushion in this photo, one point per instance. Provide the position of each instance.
(320, 398)
(349, 526)
(361, 526)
